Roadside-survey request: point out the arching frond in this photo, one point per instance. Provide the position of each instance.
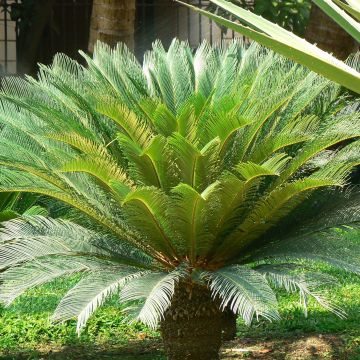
(285, 276)
(190, 211)
(23, 240)
(16, 280)
(333, 247)
(154, 291)
(272, 166)
(91, 292)
(244, 291)
(146, 209)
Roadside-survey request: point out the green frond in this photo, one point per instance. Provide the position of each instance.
(296, 132)
(150, 166)
(163, 120)
(36, 211)
(197, 168)
(271, 167)
(191, 213)
(116, 72)
(334, 247)
(244, 291)
(154, 291)
(292, 278)
(32, 237)
(340, 128)
(130, 124)
(103, 168)
(188, 119)
(90, 293)
(146, 210)
(17, 280)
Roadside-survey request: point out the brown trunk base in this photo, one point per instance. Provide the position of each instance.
(228, 323)
(191, 328)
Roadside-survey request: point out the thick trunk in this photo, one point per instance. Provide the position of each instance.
(112, 21)
(228, 324)
(328, 35)
(191, 328)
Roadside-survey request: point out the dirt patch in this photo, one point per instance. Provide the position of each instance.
(292, 348)
(327, 347)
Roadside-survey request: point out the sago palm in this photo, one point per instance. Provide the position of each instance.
(14, 205)
(194, 182)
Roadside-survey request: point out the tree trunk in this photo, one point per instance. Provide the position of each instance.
(328, 35)
(191, 329)
(30, 38)
(228, 323)
(112, 21)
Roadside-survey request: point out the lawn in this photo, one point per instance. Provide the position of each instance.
(26, 333)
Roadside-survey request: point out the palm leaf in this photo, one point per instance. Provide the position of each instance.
(91, 292)
(285, 276)
(154, 291)
(244, 291)
(286, 43)
(351, 8)
(146, 207)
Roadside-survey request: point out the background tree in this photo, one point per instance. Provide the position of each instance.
(328, 35)
(32, 17)
(112, 21)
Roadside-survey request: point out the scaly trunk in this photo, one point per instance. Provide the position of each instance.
(112, 21)
(228, 323)
(328, 35)
(191, 329)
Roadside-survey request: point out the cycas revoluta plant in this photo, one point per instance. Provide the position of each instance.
(14, 205)
(196, 182)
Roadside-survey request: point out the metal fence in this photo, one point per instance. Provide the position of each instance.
(68, 28)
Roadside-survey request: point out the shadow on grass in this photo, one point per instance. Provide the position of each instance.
(142, 350)
(304, 347)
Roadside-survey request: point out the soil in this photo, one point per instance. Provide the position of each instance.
(313, 346)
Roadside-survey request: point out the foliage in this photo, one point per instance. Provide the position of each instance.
(286, 43)
(21, 12)
(195, 167)
(292, 15)
(351, 7)
(14, 205)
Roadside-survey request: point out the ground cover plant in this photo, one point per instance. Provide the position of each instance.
(194, 184)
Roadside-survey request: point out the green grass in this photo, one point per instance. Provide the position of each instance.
(25, 325)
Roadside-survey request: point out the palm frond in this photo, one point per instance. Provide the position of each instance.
(17, 280)
(292, 278)
(23, 240)
(154, 291)
(244, 291)
(146, 208)
(91, 292)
